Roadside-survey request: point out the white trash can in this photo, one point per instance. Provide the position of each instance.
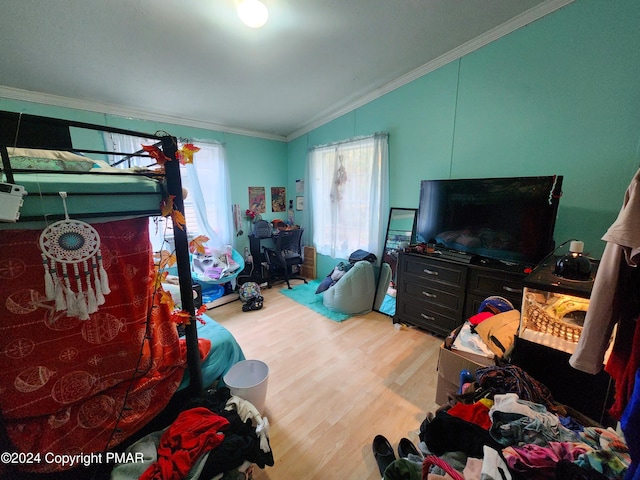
(247, 379)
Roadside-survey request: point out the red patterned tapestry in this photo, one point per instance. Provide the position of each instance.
(63, 381)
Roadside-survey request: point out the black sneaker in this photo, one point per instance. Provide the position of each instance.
(257, 304)
(248, 306)
(383, 453)
(406, 447)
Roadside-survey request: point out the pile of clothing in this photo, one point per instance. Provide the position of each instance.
(217, 437)
(510, 427)
(491, 332)
(214, 265)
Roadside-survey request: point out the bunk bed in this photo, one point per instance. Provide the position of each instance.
(90, 351)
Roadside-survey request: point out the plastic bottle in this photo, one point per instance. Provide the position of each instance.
(290, 214)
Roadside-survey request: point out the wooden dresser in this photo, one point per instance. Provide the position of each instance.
(439, 294)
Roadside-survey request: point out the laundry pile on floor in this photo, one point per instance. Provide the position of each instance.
(507, 426)
(220, 437)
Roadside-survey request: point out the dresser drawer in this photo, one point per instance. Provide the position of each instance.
(430, 319)
(429, 293)
(421, 268)
(487, 283)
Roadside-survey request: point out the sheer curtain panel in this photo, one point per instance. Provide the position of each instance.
(208, 202)
(348, 185)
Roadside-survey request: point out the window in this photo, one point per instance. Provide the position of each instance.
(348, 192)
(207, 208)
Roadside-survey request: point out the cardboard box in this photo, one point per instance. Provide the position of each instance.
(308, 268)
(450, 363)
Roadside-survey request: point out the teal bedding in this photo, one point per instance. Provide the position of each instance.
(88, 194)
(224, 353)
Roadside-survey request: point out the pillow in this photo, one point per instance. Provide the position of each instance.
(36, 159)
(325, 284)
(340, 270)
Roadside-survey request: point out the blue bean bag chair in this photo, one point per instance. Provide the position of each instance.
(354, 293)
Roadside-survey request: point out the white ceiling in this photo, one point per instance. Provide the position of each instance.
(193, 62)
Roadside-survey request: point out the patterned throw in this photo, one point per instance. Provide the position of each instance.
(63, 380)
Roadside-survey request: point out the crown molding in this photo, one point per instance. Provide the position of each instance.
(104, 108)
(496, 33)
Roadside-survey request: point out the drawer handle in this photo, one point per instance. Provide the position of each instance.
(429, 295)
(511, 290)
(427, 317)
(430, 272)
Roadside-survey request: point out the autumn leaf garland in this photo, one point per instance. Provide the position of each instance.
(185, 154)
(168, 208)
(167, 259)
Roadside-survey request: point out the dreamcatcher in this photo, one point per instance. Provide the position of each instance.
(71, 259)
(339, 179)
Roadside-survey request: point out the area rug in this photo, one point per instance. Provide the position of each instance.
(305, 294)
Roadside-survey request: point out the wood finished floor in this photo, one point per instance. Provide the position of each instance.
(333, 386)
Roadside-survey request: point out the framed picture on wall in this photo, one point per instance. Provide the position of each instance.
(278, 199)
(299, 203)
(257, 199)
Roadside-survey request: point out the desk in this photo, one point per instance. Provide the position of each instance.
(260, 274)
(256, 245)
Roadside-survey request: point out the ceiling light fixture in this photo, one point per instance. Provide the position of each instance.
(253, 13)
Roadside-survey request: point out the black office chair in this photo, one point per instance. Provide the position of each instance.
(286, 254)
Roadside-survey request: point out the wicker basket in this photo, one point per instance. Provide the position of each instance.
(539, 320)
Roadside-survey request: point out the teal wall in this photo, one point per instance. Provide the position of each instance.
(252, 161)
(559, 96)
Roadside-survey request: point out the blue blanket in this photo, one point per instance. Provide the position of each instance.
(224, 353)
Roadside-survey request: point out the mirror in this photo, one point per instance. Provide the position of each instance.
(400, 233)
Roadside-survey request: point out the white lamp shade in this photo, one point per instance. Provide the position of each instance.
(253, 13)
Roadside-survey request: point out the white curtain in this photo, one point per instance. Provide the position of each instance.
(208, 202)
(348, 195)
(207, 180)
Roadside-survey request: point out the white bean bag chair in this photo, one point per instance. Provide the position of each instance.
(354, 293)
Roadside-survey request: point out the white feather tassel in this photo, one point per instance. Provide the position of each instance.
(59, 296)
(49, 287)
(104, 279)
(96, 282)
(81, 300)
(81, 305)
(69, 296)
(92, 302)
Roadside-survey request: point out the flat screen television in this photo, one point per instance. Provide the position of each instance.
(507, 219)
